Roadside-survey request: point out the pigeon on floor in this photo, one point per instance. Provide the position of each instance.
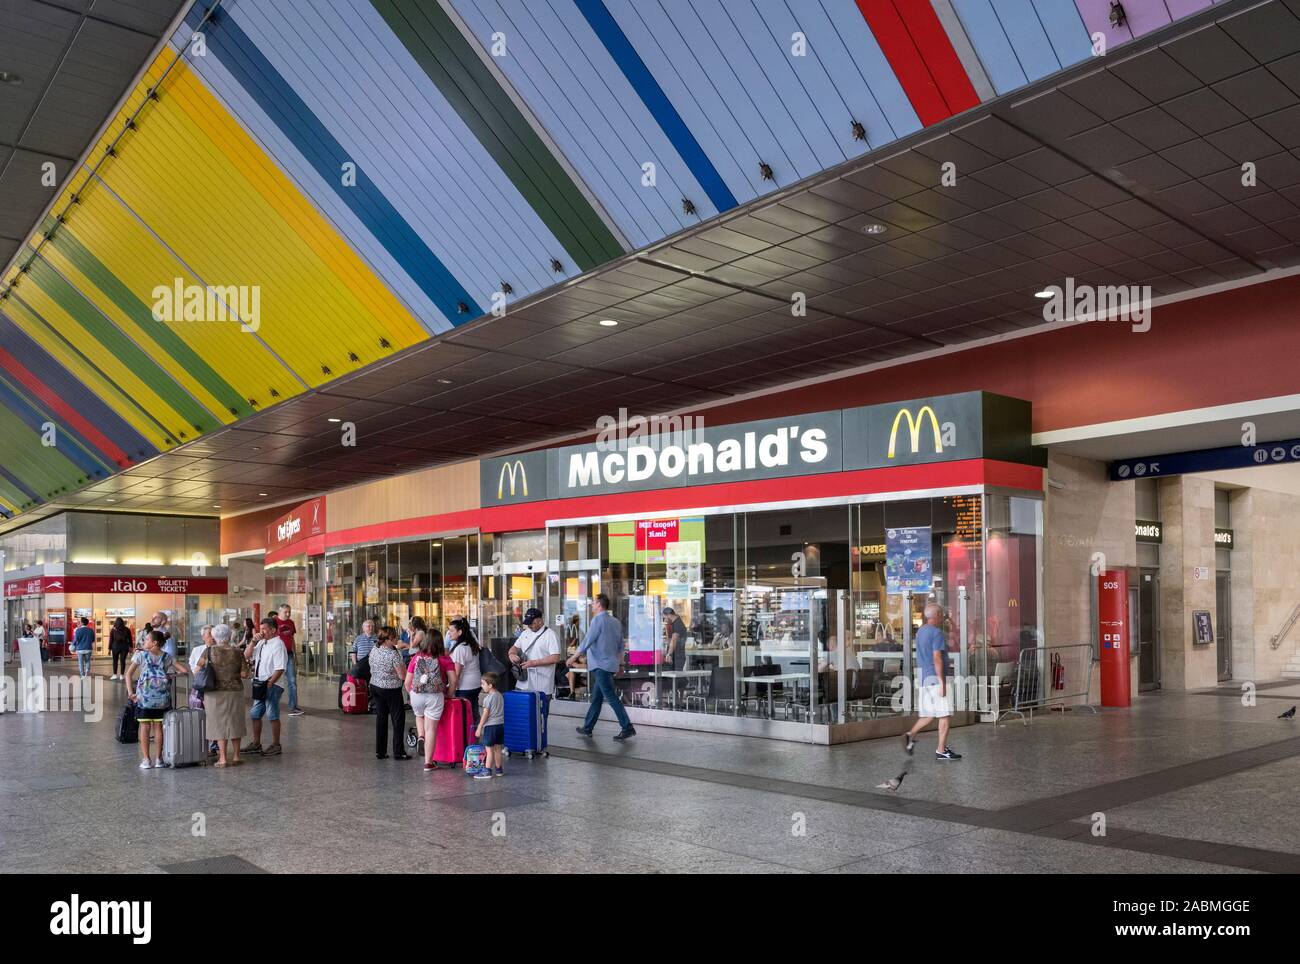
(1288, 715)
(893, 783)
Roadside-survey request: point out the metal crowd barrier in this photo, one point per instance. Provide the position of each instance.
(1047, 677)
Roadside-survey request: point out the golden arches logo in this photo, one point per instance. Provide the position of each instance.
(914, 429)
(511, 470)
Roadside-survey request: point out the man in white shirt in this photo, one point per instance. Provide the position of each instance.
(537, 650)
(269, 659)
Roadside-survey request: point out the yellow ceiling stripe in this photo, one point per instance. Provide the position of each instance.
(122, 402)
(296, 209)
(138, 260)
(235, 219)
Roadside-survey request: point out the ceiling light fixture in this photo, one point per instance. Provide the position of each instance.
(859, 132)
(261, 493)
(608, 323)
(1117, 15)
(444, 381)
(7, 78)
(874, 228)
(336, 420)
(1045, 293)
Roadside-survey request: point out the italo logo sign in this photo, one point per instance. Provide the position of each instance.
(914, 426)
(129, 585)
(514, 472)
(191, 302)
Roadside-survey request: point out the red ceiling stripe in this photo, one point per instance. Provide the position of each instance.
(921, 55)
(59, 407)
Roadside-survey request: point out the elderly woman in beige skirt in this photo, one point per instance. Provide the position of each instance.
(224, 701)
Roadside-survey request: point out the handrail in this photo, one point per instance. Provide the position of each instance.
(1276, 639)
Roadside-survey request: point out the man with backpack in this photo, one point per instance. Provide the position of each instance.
(536, 652)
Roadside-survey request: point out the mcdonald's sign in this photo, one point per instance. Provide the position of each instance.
(914, 429)
(512, 470)
(513, 478)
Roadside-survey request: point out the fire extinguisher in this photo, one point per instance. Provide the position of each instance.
(1058, 672)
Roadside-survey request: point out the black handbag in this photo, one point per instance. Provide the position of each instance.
(260, 689)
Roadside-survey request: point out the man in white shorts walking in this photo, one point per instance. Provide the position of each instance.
(932, 674)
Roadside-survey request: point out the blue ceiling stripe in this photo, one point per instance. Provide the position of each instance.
(274, 95)
(657, 102)
(78, 451)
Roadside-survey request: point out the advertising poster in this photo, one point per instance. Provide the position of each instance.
(372, 582)
(683, 570)
(643, 630)
(907, 560)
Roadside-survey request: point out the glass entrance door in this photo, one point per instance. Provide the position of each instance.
(1223, 622)
(1147, 629)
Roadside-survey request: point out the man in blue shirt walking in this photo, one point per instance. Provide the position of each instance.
(603, 647)
(932, 683)
(83, 641)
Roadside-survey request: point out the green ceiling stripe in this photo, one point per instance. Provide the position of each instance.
(456, 70)
(42, 468)
(66, 243)
(198, 418)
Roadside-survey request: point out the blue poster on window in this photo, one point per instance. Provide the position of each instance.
(907, 560)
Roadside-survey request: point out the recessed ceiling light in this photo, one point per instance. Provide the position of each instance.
(216, 507)
(112, 500)
(608, 322)
(444, 381)
(9, 78)
(261, 493)
(1045, 293)
(336, 420)
(874, 229)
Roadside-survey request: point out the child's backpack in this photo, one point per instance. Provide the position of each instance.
(475, 759)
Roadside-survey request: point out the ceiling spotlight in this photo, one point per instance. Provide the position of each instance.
(859, 132)
(608, 323)
(557, 266)
(9, 78)
(216, 507)
(1045, 293)
(261, 493)
(1117, 15)
(688, 206)
(874, 229)
(765, 171)
(444, 381)
(507, 288)
(462, 308)
(336, 420)
(111, 500)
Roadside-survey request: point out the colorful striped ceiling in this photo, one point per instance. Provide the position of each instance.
(367, 175)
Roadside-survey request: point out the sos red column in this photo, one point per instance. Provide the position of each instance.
(1112, 624)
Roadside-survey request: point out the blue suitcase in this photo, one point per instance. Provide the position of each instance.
(525, 731)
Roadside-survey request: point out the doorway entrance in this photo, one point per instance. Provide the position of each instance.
(1147, 629)
(1223, 622)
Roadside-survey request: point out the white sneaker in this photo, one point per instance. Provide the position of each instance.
(158, 764)
(145, 765)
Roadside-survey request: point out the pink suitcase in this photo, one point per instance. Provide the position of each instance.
(455, 731)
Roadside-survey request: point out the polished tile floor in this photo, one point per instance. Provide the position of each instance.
(1187, 783)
